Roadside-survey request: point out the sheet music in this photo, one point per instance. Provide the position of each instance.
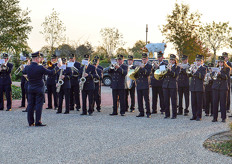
(85, 62)
(113, 61)
(162, 67)
(137, 63)
(23, 58)
(70, 64)
(63, 67)
(215, 69)
(2, 61)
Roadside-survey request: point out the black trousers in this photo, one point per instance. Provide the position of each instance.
(143, 94)
(97, 97)
(7, 90)
(119, 96)
(155, 92)
(64, 93)
(228, 100)
(170, 93)
(204, 101)
(23, 94)
(219, 96)
(183, 91)
(90, 95)
(197, 103)
(75, 97)
(130, 92)
(209, 102)
(52, 91)
(35, 103)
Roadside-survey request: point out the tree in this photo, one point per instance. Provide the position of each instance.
(216, 35)
(111, 39)
(66, 50)
(101, 52)
(53, 30)
(122, 51)
(14, 26)
(84, 49)
(182, 26)
(136, 49)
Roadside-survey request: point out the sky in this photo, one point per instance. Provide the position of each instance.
(84, 19)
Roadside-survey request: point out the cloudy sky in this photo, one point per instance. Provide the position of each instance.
(85, 18)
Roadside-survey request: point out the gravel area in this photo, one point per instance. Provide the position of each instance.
(105, 139)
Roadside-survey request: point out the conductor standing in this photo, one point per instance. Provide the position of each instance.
(35, 74)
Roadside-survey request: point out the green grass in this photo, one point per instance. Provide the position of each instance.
(224, 148)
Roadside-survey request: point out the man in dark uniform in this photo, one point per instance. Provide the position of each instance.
(118, 75)
(88, 86)
(98, 59)
(142, 85)
(35, 75)
(204, 96)
(209, 92)
(26, 83)
(5, 83)
(157, 86)
(183, 86)
(197, 88)
(97, 88)
(225, 55)
(131, 90)
(51, 85)
(170, 87)
(75, 92)
(65, 87)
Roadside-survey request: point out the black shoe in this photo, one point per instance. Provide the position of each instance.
(153, 112)
(122, 114)
(49, 108)
(113, 114)
(148, 116)
(56, 108)
(173, 117)
(40, 124)
(71, 109)
(162, 112)
(8, 110)
(24, 110)
(32, 124)
(21, 106)
(180, 113)
(206, 114)
(66, 112)
(83, 114)
(214, 120)
(223, 120)
(58, 112)
(140, 115)
(198, 119)
(99, 110)
(166, 117)
(90, 114)
(78, 109)
(186, 114)
(228, 111)
(132, 111)
(193, 118)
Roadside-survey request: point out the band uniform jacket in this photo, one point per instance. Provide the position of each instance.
(75, 75)
(35, 74)
(67, 76)
(100, 67)
(197, 80)
(221, 82)
(154, 82)
(5, 77)
(100, 75)
(171, 77)
(183, 79)
(118, 77)
(52, 79)
(142, 82)
(229, 64)
(91, 71)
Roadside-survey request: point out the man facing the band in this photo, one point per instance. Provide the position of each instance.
(5, 83)
(88, 88)
(183, 86)
(170, 87)
(35, 75)
(142, 84)
(197, 88)
(157, 86)
(97, 88)
(51, 84)
(75, 92)
(118, 74)
(65, 87)
(131, 90)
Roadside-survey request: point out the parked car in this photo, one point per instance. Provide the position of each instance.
(107, 77)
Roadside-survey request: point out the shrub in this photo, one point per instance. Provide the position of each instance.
(16, 92)
(230, 126)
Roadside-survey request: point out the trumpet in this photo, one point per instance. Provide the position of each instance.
(191, 68)
(112, 66)
(184, 66)
(4, 65)
(215, 76)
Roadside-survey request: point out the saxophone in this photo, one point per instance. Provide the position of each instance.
(82, 79)
(60, 82)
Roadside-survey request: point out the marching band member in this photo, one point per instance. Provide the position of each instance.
(208, 92)
(197, 88)
(157, 86)
(142, 85)
(130, 91)
(5, 83)
(204, 96)
(98, 59)
(220, 89)
(183, 87)
(26, 82)
(35, 75)
(75, 92)
(118, 74)
(225, 54)
(170, 87)
(65, 75)
(51, 85)
(88, 72)
(97, 88)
